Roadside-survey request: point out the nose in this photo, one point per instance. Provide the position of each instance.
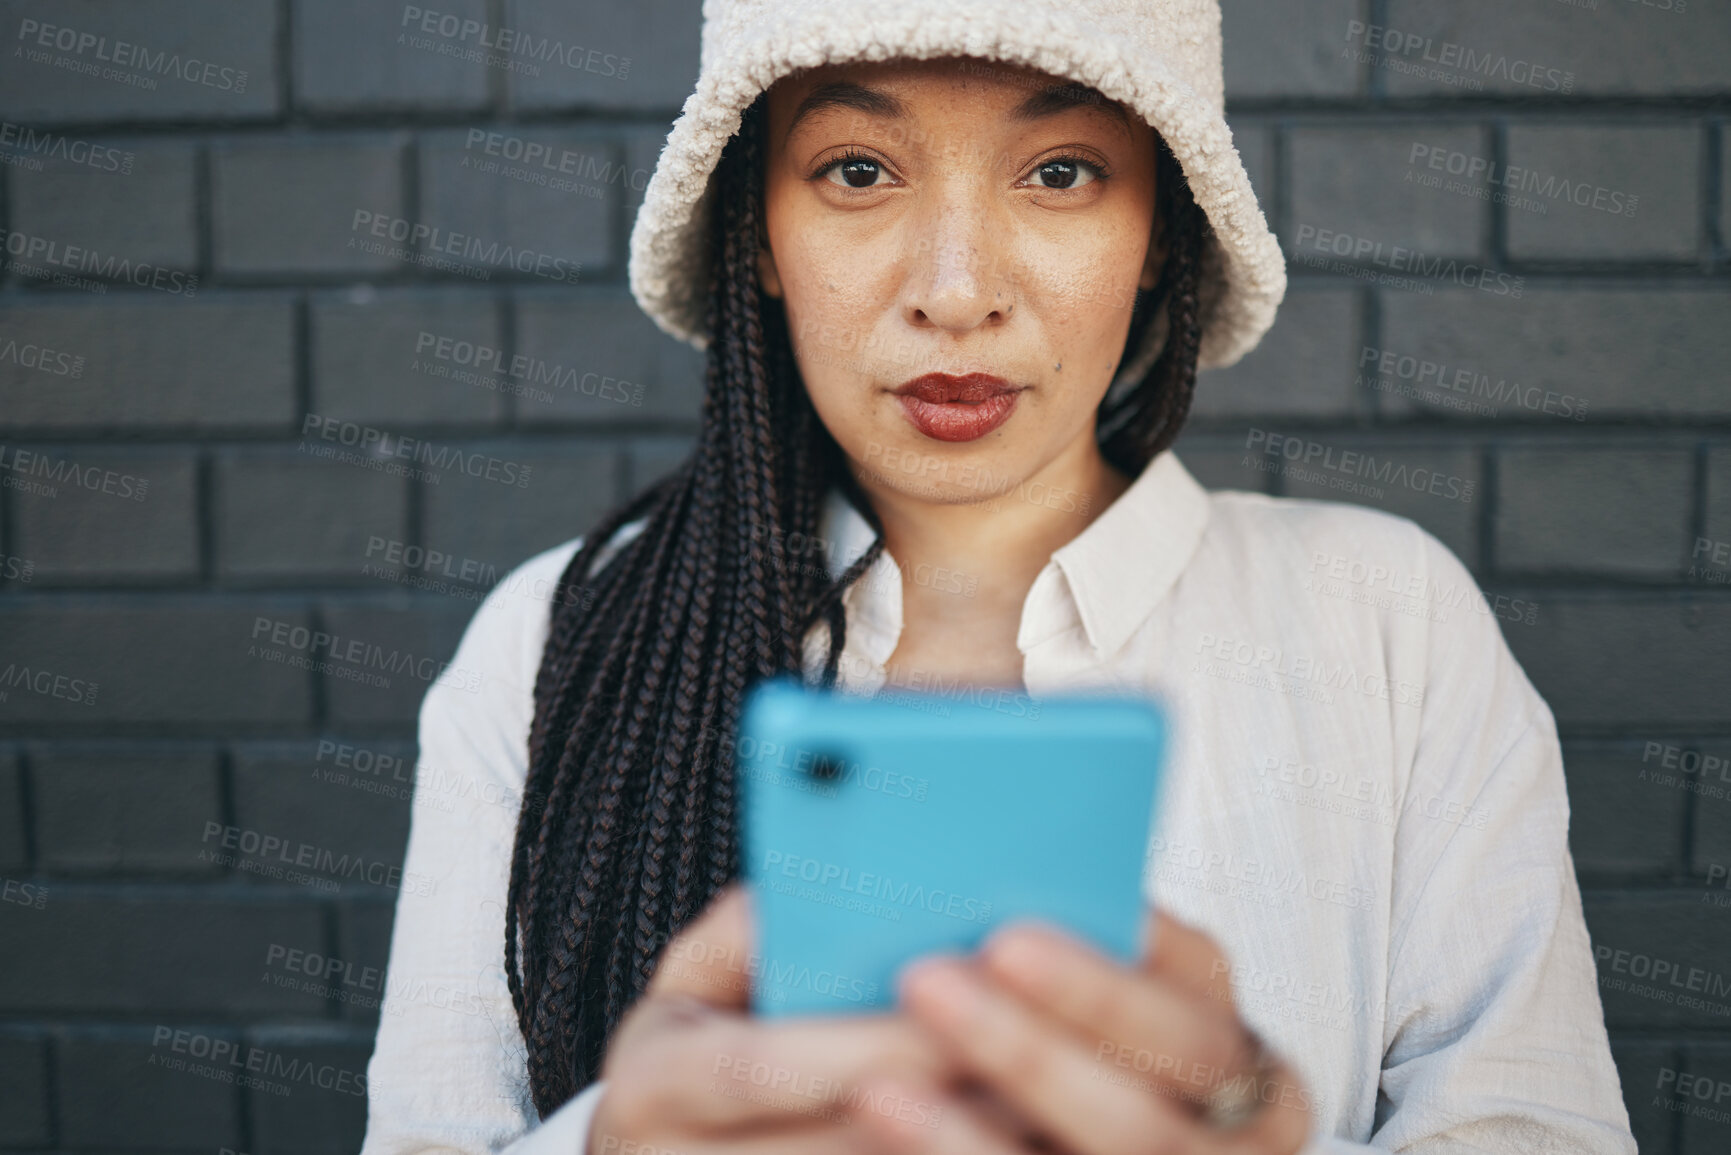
(958, 276)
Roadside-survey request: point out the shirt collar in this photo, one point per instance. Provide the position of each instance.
(1127, 559)
(1114, 572)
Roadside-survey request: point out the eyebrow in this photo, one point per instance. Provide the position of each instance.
(1047, 102)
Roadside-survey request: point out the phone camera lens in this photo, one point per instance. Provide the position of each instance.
(826, 767)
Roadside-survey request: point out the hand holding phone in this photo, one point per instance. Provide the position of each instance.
(689, 1068)
(879, 830)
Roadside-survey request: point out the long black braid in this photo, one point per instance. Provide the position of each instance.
(627, 827)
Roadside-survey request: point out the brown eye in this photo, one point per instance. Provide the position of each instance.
(1064, 172)
(858, 171)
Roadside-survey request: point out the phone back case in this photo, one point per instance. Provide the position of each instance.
(878, 830)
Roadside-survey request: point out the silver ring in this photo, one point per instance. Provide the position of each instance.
(1239, 1099)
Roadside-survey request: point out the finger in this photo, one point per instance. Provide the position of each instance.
(1282, 1125)
(811, 1139)
(958, 1126)
(1188, 957)
(1205, 1045)
(992, 1108)
(754, 1073)
(708, 959)
(1041, 1067)
(822, 1140)
(1135, 1021)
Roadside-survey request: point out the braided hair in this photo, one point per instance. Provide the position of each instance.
(628, 822)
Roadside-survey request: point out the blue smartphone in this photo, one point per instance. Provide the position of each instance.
(880, 829)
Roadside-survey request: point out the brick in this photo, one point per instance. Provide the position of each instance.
(1408, 474)
(24, 1118)
(441, 461)
(410, 566)
(1622, 823)
(610, 168)
(98, 516)
(1255, 143)
(160, 663)
(1602, 353)
(1640, 185)
(119, 200)
(325, 1110)
(114, 1096)
(1657, 927)
(1218, 464)
(1615, 510)
(286, 514)
(602, 361)
(14, 846)
(1455, 386)
(568, 492)
(290, 792)
(1705, 1125)
(1281, 49)
(1606, 660)
(182, 60)
(1711, 783)
(545, 217)
(407, 644)
(1368, 183)
(637, 57)
(364, 943)
(151, 954)
(357, 58)
(1724, 188)
(649, 459)
(375, 356)
(100, 810)
(1304, 367)
(1638, 1066)
(291, 206)
(1710, 555)
(152, 362)
(322, 968)
(1617, 49)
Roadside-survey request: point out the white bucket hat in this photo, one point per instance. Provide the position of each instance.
(1161, 58)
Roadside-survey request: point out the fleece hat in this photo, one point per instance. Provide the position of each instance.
(1161, 58)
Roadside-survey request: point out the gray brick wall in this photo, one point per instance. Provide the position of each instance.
(1575, 150)
(1590, 412)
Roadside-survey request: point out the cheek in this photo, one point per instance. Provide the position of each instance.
(833, 292)
(837, 297)
(1090, 294)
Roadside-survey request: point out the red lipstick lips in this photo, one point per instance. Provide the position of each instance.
(946, 407)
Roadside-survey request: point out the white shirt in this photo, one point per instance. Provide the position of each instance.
(1364, 806)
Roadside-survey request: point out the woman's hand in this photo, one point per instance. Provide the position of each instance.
(1100, 1058)
(690, 1071)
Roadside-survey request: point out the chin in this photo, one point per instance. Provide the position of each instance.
(946, 473)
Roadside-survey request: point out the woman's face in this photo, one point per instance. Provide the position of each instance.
(956, 216)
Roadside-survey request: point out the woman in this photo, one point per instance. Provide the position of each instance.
(954, 298)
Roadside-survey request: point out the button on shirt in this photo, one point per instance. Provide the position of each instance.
(1364, 807)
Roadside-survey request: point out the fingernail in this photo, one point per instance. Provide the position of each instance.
(1020, 953)
(941, 985)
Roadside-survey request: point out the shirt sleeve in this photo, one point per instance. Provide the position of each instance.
(449, 1069)
(1494, 1036)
